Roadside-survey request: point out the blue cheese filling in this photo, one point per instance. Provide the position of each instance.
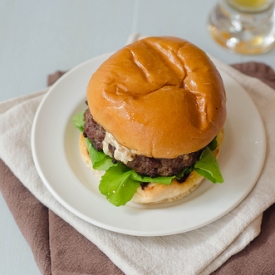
(121, 152)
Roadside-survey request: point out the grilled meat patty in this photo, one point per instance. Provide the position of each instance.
(93, 131)
(143, 165)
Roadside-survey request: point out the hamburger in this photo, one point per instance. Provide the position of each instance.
(153, 127)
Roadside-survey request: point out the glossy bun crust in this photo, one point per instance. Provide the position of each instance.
(155, 192)
(160, 96)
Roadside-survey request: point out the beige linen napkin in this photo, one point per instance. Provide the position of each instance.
(197, 252)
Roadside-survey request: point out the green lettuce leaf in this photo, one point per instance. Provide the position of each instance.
(100, 161)
(213, 144)
(78, 121)
(185, 171)
(208, 167)
(119, 183)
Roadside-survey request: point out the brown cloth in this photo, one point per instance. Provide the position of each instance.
(59, 249)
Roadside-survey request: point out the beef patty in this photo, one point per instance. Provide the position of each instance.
(143, 165)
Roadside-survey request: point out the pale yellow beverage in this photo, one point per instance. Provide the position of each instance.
(252, 5)
(244, 26)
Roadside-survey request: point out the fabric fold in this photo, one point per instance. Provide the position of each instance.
(31, 216)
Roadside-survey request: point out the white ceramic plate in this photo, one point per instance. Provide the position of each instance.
(57, 159)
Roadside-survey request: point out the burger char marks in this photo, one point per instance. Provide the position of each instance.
(151, 167)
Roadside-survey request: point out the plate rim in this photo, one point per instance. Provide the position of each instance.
(110, 227)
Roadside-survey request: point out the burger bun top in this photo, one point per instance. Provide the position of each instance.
(160, 96)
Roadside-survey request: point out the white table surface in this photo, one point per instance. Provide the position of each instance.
(39, 37)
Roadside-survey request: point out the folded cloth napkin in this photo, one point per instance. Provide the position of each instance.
(65, 244)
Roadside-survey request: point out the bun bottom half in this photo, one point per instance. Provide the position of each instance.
(155, 192)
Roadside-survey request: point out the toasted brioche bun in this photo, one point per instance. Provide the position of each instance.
(161, 97)
(155, 192)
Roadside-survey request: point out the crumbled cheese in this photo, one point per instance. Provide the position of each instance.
(121, 153)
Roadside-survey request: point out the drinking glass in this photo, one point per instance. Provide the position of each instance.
(244, 26)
